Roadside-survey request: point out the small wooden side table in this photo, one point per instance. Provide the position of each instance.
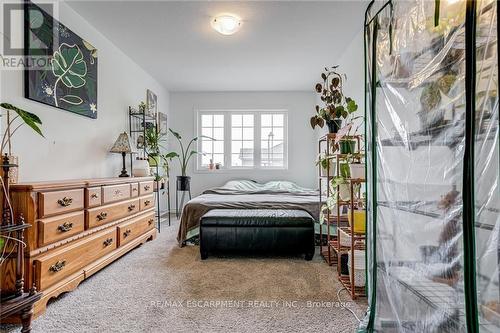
(23, 306)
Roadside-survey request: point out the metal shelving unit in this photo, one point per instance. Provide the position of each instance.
(138, 123)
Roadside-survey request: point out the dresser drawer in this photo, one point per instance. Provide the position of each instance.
(133, 229)
(134, 189)
(146, 202)
(93, 197)
(145, 187)
(115, 193)
(57, 202)
(54, 267)
(102, 215)
(52, 229)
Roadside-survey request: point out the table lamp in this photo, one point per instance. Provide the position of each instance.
(122, 146)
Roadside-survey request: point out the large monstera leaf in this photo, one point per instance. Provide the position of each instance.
(68, 66)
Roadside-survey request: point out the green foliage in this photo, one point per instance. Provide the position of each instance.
(30, 119)
(184, 156)
(25, 117)
(336, 105)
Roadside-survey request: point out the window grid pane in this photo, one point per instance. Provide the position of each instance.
(272, 140)
(212, 144)
(242, 143)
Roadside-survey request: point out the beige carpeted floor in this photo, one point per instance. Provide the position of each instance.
(160, 287)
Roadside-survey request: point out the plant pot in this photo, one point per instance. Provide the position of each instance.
(183, 183)
(359, 267)
(334, 125)
(345, 172)
(357, 170)
(347, 146)
(141, 168)
(153, 160)
(344, 268)
(330, 171)
(156, 182)
(14, 171)
(359, 220)
(345, 192)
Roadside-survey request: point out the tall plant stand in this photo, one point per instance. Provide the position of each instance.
(181, 187)
(14, 300)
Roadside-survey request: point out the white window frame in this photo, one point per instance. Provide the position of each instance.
(257, 139)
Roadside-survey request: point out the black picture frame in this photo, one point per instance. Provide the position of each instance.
(61, 67)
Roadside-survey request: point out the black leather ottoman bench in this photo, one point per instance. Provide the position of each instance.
(262, 231)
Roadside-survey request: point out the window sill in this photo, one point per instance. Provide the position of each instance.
(235, 170)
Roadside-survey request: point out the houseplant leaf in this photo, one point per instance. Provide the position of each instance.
(177, 135)
(351, 106)
(313, 121)
(30, 119)
(171, 155)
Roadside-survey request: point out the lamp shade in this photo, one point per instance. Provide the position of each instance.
(122, 144)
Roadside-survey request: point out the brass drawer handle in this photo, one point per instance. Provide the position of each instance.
(127, 232)
(108, 241)
(147, 188)
(147, 202)
(58, 266)
(102, 216)
(134, 189)
(66, 226)
(118, 193)
(150, 221)
(94, 196)
(131, 208)
(65, 202)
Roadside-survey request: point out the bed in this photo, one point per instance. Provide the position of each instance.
(247, 194)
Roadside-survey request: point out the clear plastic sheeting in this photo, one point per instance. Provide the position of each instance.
(416, 105)
(487, 191)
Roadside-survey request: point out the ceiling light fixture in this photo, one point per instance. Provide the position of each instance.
(226, 24)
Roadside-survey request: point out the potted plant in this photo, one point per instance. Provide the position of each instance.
(154, 140)
(345, 138)
(357, 217)
(336, 105)
(183, 181)
(13, 124)
(327, 166)
(356, 166)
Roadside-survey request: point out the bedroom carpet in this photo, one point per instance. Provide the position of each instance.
(160, 287)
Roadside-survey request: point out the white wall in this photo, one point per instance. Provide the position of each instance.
(76, 146)
(302, 140)
(352, 64)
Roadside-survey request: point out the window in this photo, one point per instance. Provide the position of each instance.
(212, 139)
(272, 140)
(243, 139)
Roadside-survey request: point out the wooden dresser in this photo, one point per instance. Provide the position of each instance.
(79, 227)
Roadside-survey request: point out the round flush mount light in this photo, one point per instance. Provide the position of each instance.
(226, 24)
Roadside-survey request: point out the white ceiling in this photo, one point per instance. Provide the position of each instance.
(282, 45)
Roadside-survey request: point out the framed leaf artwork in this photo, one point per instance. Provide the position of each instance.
(63, 72)
(151, 103)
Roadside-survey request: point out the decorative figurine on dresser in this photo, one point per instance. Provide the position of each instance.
(79, 227)
(14, 301)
